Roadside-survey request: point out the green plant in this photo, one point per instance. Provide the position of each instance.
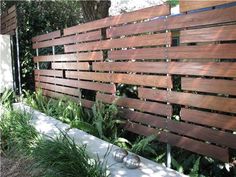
(7, 98)
(16, 132)
(61, 157)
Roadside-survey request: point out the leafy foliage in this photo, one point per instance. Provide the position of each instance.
(7, 98)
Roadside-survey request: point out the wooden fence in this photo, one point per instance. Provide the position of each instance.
(137, 49)
(9, 21)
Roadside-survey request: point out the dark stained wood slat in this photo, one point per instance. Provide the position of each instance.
(144, 118)
(9, 28)
(182, 142)
(48, 73)
(11, 9)
(151, 107)
(190, 99)
(203, 133)
(138, 54)
(108, 88)
(202, 18)
(147, 80)
(88, 56)
(222, 33)
(57, 88)
(90, 36)
(217, 69)
(148, 26)
(9, 17)
(47, 36)
(71, 65)
(143, 67)
(209, 85)
(194, 5)
(145, 13)
(209, 119)
(222, 51)
(134, 41)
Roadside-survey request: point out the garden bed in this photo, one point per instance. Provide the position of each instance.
(51, 127)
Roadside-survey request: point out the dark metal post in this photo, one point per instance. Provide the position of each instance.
(18, 61)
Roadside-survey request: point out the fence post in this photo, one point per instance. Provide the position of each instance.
(18, 61)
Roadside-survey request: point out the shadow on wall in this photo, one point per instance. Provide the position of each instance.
(6, 77)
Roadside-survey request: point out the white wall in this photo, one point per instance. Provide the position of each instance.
(6, 77)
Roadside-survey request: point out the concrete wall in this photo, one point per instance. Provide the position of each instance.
(6, 77)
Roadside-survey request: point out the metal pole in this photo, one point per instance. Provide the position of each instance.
(13, 64)
(18, 61)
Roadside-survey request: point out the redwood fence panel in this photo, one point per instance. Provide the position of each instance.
(9, 21)
(194, 81)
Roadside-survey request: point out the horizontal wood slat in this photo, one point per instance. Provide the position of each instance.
(209, 119)
(145, 13)
(8, 17)
(202, 18)
(57, 88)
(90, 36)
(217, 69)
(129, 29)
(151, 107)
(190, 99)
(134, 41)
(209, 85)
(43, 37)
(108, 88)
(71, 65)
(48, 73)
(148, 80)
(222, 33)
(143, 67)
(9, 21)
(182, 142)
(88, 56)
(199, 4)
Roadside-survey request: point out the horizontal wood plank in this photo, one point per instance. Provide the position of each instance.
(48, 73)
(57, 88)
(222, 33)
(210, 119)
(108, 88)
(199, 4)
(190, 99)
(145, 13)
(221, 86)
(43, 37)
(88, 56)
(215, 16)
(71, 65)
(147, 80)
(134, 41)
(141, 67)
(182, 142)
(151, 107)
(90, 36)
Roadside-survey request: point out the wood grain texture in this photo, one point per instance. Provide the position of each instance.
(221, 86)
(88, 56)
(222, 33)
(210, 119)
(43, 37)
(141, 67)
(57, 88)
(71, 65)
(203, 52)
(134, 41)
(48, 73)
(107, 88)
(182, 142)
(202, 18)
(90, 36)
(145, 13)
(137, 28)
(147, 80)
(199, 4)
(151, 107)
(190, 99)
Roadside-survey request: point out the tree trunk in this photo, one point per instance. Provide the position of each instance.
(96, 9)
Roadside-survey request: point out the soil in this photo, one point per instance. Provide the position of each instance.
(14, 167)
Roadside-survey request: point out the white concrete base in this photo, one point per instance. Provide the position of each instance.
(51, 127)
